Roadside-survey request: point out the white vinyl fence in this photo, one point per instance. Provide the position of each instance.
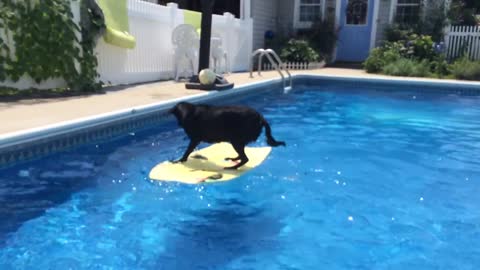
(463, 40)
(152, 57)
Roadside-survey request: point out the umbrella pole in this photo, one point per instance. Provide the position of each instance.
(206, 33)
(204, 52)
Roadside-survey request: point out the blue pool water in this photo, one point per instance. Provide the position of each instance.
(369, 180)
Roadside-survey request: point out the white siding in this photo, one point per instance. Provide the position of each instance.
(264, 14)
(285, 16)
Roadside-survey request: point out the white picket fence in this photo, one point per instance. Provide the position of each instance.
(295, 65)
(460, 40)
(152, 58)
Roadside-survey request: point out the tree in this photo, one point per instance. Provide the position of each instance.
(462, 12)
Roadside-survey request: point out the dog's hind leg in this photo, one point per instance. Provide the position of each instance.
(193, 144)
(240, 149)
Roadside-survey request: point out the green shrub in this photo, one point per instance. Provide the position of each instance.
(422, 46)
(276, 43)
(440, 67)
(408, 67)
(322, 36)
(463, 12)
(434, 21)
(396, 32)
(465, 69)
(299, 51)
(381, 56)
(374, 62)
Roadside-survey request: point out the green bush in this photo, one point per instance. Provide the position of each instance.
(439, 67)
(396, 32)
(434, 21)
(46, 44)
(463, 12)
(408, 67)
(322, 36)
(422, 46)
(299, 51)
(465, 69)
(276, 43)
(381, 56)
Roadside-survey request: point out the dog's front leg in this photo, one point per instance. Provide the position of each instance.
(191, 146)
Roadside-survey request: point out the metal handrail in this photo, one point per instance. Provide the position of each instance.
(282, 65)
(278, 67)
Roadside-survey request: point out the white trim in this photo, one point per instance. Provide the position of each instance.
(324, 4)
(297, 24)
(338, 6)
(296, 10)
(337, 13)
(245, 9)
(242, 9)
(373, 33)
(393, 4)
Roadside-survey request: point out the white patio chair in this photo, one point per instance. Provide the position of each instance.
(186, 44)
(218, 52)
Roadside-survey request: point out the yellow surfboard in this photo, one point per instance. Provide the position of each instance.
(206, 165)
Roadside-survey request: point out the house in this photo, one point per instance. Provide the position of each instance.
(360, 23)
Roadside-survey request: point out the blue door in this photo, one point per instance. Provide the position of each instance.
(356, 20)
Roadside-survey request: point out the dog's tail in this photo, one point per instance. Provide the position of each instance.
(268, 131)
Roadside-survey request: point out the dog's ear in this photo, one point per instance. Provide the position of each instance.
(182, 111)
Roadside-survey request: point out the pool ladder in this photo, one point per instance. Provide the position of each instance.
(277, 64)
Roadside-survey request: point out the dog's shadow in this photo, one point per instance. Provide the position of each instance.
(216, 237)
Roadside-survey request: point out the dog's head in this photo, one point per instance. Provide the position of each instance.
(181, 111)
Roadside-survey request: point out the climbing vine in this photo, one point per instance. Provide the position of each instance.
(48, 43)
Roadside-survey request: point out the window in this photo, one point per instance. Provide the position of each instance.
(357, 12)
(408, 11)
(308, 11)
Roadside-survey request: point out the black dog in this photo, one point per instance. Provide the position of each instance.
(238, 125)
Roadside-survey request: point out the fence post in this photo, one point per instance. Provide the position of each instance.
(229, 30)
(173, 14)
(447, 31)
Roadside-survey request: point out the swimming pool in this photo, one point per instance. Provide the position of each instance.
(373, 177)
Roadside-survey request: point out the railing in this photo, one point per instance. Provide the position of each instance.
(276, 62)
(463, 40)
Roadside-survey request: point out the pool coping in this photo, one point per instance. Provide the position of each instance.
(28, 136)
(12, 140)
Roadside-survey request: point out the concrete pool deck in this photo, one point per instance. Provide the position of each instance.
(34, 113)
